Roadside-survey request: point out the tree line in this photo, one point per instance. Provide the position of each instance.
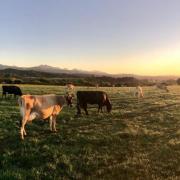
(13, 76)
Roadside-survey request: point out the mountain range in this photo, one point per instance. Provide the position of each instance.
(57, 70)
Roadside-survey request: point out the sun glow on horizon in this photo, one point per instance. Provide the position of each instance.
(158, 62)
(155, 62)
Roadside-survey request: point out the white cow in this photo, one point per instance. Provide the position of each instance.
(138, 92)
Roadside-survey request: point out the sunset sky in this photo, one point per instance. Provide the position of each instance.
(114, 36)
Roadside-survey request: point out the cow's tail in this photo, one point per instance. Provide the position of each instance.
(21, 105)
(20, 101)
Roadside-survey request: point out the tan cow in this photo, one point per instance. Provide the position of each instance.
(40, 107)
(70, 87)
(139, 92)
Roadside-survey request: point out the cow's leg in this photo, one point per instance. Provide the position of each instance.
(99, 108)
(22, 130)
(142, 95)
(25, 132)
(50, 123)
(4, 95)
(85, 108)
(78, 109)
(54, 123)
(134, 93)
(139, 95)
(24, 121)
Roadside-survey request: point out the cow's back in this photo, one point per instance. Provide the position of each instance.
(12, 90)
(46, 101)
(91, 97)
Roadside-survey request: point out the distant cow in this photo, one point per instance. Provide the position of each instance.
(11, 90)
(97, 86)
(92, 97)
(69, 98)
(70, 86)
(139, 92)
(40, 107)
(162, 86)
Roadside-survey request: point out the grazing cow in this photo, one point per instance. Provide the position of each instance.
(70, 86)
(139, 92)
(162, 86)
(11, 90)
(92, 97)
(40, 107)
(69, 98)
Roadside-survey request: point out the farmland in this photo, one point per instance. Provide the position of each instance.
(139, 140)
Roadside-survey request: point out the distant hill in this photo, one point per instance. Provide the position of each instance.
(35, 73)
(76, 72)
(55, 70)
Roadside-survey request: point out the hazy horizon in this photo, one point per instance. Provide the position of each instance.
(112, 36)
(94, 70)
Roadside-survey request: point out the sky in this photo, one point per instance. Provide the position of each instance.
(115, 36)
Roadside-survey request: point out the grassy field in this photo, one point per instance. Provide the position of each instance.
(139, 140)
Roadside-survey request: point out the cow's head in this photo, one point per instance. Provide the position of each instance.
(69, 99)
(108, 106)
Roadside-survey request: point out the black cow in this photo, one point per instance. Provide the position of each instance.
(92, 97)
(11, 90)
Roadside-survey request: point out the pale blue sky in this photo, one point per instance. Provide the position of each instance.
(116, 36)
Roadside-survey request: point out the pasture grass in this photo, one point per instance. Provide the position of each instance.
(139, 140)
